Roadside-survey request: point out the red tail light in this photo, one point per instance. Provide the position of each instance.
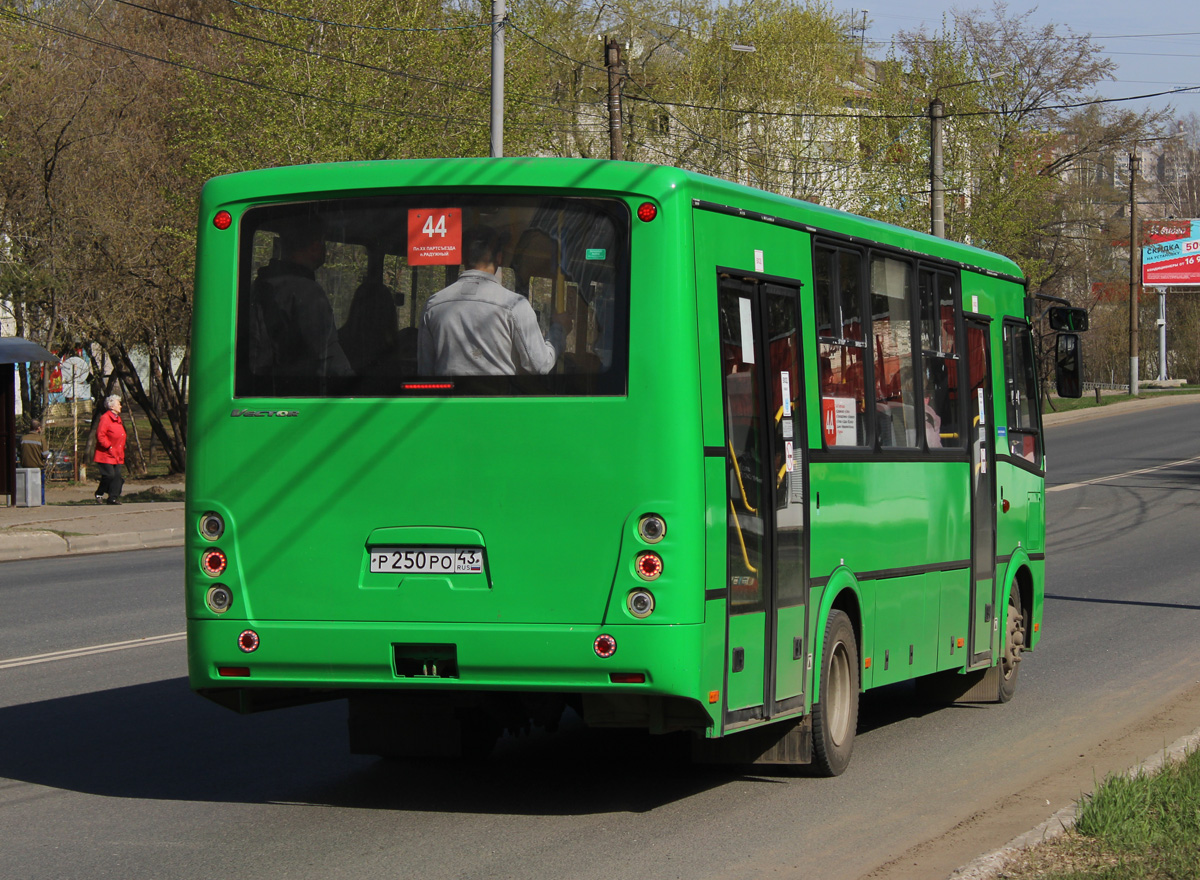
(213, 562)
(649, 565)
(248, 641)
(604, 646)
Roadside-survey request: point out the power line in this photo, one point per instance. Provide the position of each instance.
(921, 115)
(535, 101)
(365, 27)
(312, 53)
(293, 93)
(548, 48)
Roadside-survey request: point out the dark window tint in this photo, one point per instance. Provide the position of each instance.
(941, 404)
(841, 347)
(1020, 379)
(333, 297)
(896, 422)
(748, 496)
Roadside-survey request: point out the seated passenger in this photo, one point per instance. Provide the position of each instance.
(294, 333)
(476, 327)
(370, 331)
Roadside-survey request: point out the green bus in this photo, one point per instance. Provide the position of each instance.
(738, 458)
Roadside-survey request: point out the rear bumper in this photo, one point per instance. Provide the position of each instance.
(513, 657)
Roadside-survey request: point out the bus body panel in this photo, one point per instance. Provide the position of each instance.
(551, 488)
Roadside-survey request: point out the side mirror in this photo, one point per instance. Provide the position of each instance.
(1068, 366)
(1066, 318)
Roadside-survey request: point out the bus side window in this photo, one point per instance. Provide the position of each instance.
(1020, 380)
(939, 361)
(841, 346)
(891, 331)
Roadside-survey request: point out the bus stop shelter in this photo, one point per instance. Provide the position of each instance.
(13, 350)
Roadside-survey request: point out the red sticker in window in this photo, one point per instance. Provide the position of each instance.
(829, 420)
(434, 237)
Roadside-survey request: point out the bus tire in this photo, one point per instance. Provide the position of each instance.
(1014, 644)
(835, 716)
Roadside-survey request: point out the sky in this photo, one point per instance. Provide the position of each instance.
(1156, 45)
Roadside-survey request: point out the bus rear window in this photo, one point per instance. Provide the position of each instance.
(447, 294)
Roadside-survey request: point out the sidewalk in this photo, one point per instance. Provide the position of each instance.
(72, 523)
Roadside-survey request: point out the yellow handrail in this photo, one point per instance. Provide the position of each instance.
(741, 486)
(737, 525)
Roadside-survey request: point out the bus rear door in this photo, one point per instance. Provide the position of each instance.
(983, 493)
(766, 544)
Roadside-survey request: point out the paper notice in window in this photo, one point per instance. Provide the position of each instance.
(839, 421)
(747, 323)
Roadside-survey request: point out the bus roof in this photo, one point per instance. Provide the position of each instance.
(592, 175)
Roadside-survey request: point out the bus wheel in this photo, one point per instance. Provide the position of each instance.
(835, 717)
(1014, 644)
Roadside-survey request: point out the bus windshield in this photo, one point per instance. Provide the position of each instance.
(404, 295)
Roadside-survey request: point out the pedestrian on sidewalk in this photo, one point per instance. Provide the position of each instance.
(33, 451)
(110, 451)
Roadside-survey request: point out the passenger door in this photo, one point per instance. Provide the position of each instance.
(983, 491)
(766, 546)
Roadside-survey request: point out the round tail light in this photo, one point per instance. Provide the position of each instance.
(641, 603)
(219, 598)
(248, 641)
(213, 562)
(212, 526)
(649, 565)
(652, 528)
(646, 212)
(604, 646)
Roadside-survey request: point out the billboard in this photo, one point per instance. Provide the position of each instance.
(1170, 253)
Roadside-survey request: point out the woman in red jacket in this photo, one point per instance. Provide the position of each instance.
(110, 451)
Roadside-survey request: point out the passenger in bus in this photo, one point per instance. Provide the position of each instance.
(371, 331)
(476, 327)
(294, 329)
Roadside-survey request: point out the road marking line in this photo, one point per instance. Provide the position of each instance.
(96, 649)
(1149, 470)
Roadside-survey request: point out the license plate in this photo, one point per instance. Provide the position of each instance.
(427, 560)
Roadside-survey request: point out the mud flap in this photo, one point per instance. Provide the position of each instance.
(783, 742)
(980, 686)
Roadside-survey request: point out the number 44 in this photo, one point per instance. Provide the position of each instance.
(431, 230)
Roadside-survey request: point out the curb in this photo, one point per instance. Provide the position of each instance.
(41, 545)
(988, 866)
(31, 545)
(1116, 409)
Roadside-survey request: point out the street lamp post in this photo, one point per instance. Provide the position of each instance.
(1133, 276)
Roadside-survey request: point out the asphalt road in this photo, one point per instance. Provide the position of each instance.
(109, 766)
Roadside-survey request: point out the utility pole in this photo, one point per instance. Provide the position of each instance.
(499, 14)
(937, 182)
(1133, 275)
(1162, 334)
(616, 71)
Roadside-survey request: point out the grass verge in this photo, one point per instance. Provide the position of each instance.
(1133, 828)
(1088, 401)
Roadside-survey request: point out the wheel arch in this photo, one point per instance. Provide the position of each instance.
(842, 593)
(1019, 577)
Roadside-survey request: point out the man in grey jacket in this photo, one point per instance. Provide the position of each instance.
(477, 327)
